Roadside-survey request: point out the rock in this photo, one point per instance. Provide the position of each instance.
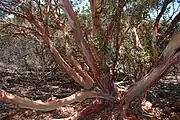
(147, 106)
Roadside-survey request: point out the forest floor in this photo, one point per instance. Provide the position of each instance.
(36, 85)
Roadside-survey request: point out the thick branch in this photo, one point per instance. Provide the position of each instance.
(109, 31)
(79, 38)
(170, 29)
(136, 40)
(156, 24)
(59, 59)
(155, 74)
(95, 16)
(88, 81)
(46, 106)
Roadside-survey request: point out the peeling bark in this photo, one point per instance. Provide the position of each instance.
(47, 106)
(156, 24)
(154, 74)
(81, 43)
(137, 41)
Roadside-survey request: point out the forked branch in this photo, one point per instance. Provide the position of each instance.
(154, 74)
(81, 43)
(170, 28)
(156, 24)
(59, 59)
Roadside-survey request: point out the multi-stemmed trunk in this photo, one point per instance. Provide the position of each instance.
(101, 83)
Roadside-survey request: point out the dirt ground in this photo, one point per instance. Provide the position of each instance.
(35, 85)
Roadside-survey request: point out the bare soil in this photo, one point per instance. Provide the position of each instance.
(52, 84)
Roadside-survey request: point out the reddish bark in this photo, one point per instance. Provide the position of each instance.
(105, 81)
(170, 30)
(154, 75)
(156, 24)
